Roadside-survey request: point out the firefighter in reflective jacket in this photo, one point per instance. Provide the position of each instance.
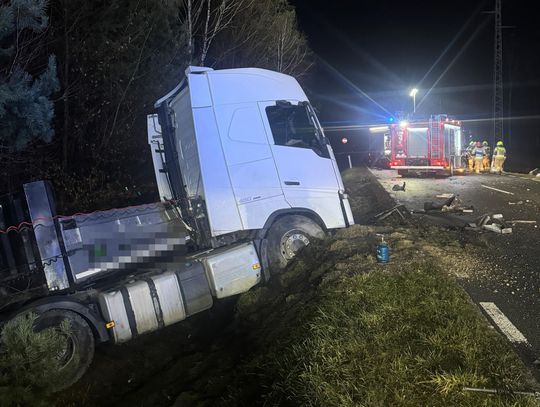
(486, 162)
(478, 157)
(499, 155)
(470, 155)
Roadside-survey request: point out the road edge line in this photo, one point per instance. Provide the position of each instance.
(513, 334)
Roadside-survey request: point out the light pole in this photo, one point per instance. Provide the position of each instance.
(413, 93)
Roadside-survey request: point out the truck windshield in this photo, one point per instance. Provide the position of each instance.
(295, 126)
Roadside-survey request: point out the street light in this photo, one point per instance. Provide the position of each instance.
(413, 93)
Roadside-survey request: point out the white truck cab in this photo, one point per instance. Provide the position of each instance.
(245, 145)
(247, 179)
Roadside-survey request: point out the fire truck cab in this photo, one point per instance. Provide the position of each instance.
(431, 147)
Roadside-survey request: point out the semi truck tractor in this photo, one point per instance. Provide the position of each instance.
(246, 178)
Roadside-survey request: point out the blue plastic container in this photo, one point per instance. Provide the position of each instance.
(383, 252)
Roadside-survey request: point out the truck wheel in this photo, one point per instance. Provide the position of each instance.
(287, 236)
(76, 357)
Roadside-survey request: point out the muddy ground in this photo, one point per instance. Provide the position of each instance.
(194, 363)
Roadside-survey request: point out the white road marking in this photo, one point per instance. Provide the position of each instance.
(498, 190)
(508, 328)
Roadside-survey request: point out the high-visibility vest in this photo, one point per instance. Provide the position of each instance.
(479, 152)
(499, 151)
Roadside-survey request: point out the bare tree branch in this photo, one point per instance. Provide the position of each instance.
(105, 140)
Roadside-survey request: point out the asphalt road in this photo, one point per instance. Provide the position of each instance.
(512, 282)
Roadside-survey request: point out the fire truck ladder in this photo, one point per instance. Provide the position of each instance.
(435, 144)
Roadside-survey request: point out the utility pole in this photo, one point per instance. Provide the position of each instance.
(498, 96)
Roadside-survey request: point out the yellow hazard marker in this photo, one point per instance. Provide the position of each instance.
(110, 325)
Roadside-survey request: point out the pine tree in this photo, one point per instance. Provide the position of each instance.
(29, 366)
(26, 110)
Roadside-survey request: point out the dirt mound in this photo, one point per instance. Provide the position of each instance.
(368, 195)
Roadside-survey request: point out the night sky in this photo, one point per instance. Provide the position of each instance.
(381, 49)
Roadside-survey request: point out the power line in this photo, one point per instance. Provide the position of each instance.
(498, 106)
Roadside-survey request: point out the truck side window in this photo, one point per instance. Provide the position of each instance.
(293, 126)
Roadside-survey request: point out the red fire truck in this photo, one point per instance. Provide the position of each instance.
(432, 146)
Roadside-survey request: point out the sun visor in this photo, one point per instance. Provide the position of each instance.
(199, 90)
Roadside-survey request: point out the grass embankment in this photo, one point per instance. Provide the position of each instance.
(337, 329)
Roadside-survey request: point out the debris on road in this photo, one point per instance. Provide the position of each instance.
(430, 206)
(400, 210)
(535, 172)
(493, 223)
(494, 227)
(483, 220)
(516, 203)
(398, 187)
(445, 196)
(497, 189)
(452, 204)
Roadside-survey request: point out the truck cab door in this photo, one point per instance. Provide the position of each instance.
(304, 160)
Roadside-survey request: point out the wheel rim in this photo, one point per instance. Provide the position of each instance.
(67, 353)
(292, 242)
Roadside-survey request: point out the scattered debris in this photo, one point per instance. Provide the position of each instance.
(401, 210)
(498, 190)
(483, 220)
(493, 223)
(536, 171)
(430, 206)
(533, 222)
(452, 204)
(445, 196)
(516, 203)
(492, 227)
(397, 187)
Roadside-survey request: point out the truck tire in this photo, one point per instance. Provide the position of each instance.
(79, 351)
(287, 236)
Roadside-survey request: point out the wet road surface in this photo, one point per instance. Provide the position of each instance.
(509, 292)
